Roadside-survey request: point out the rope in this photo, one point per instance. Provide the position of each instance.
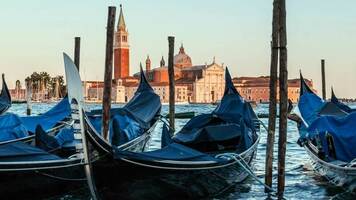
(264, 125)
(162, 119)
(245, 166)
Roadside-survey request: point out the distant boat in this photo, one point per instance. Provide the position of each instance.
(177, 103)
(18, 101)
(328, 133)
(252, 103)
(5, 97)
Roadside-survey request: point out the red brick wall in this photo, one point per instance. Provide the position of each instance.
(121, 63)
(160, 76)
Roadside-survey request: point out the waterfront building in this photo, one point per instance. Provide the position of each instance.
(18, 94)
(162, 89)
(257, 88)
(93, 91)
(205, 83)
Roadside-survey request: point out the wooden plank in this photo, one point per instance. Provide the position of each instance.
(108, 71)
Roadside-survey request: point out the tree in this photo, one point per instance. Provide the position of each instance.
(42, 82)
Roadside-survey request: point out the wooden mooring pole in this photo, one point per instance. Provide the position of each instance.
(108, 71)
(28, 97)
(171, 81)
(77, 51)
(272, 97)
(323, 78)
(283, 94)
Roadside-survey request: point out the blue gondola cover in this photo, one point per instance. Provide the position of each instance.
(343, 132)
(134, 118)
(339, 104)
(323, 119)
(19, 151)
(13, 127)
(50, 118)
(233, 117)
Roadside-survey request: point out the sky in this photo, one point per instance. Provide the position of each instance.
(237, 32)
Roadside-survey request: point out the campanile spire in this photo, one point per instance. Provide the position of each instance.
(121, 49)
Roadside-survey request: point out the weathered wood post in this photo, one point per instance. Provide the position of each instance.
(171, 81)
(323, 78)
(283, 96)
(272, 96)
(108, 71)
(28, 97)
(77, 51)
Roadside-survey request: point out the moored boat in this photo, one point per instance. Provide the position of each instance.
(5, 97)
(340, 104)
(44, 168)
(327, 132)
(201, 160)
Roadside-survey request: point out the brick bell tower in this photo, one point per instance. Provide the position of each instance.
(121, 49)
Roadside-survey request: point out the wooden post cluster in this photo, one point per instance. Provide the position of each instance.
(108, 71)
(272, 96)
(77, 51)
(171, 81)
(279, 42)
(323, 78)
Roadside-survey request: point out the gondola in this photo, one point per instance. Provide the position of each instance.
(43, 169)
(5, 97)
(340, 104)
(201, 160)
(34, 171)
(327, 132)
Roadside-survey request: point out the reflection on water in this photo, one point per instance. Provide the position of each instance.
(301, 182)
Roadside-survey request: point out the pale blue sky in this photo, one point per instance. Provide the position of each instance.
(34, 34)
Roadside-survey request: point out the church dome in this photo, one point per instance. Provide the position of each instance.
(182, 59)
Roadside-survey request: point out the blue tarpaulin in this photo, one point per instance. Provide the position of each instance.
(50, 118)
(232, 118)
(339, 104)
(309, 106)
(20, 151)
(13, 127)
(343, 132)
(134, 118)
(324, 119)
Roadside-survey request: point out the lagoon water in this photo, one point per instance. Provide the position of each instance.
(301, 181)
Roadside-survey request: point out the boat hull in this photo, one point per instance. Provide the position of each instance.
(40, 183)
(335, 174)
(119, 179)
